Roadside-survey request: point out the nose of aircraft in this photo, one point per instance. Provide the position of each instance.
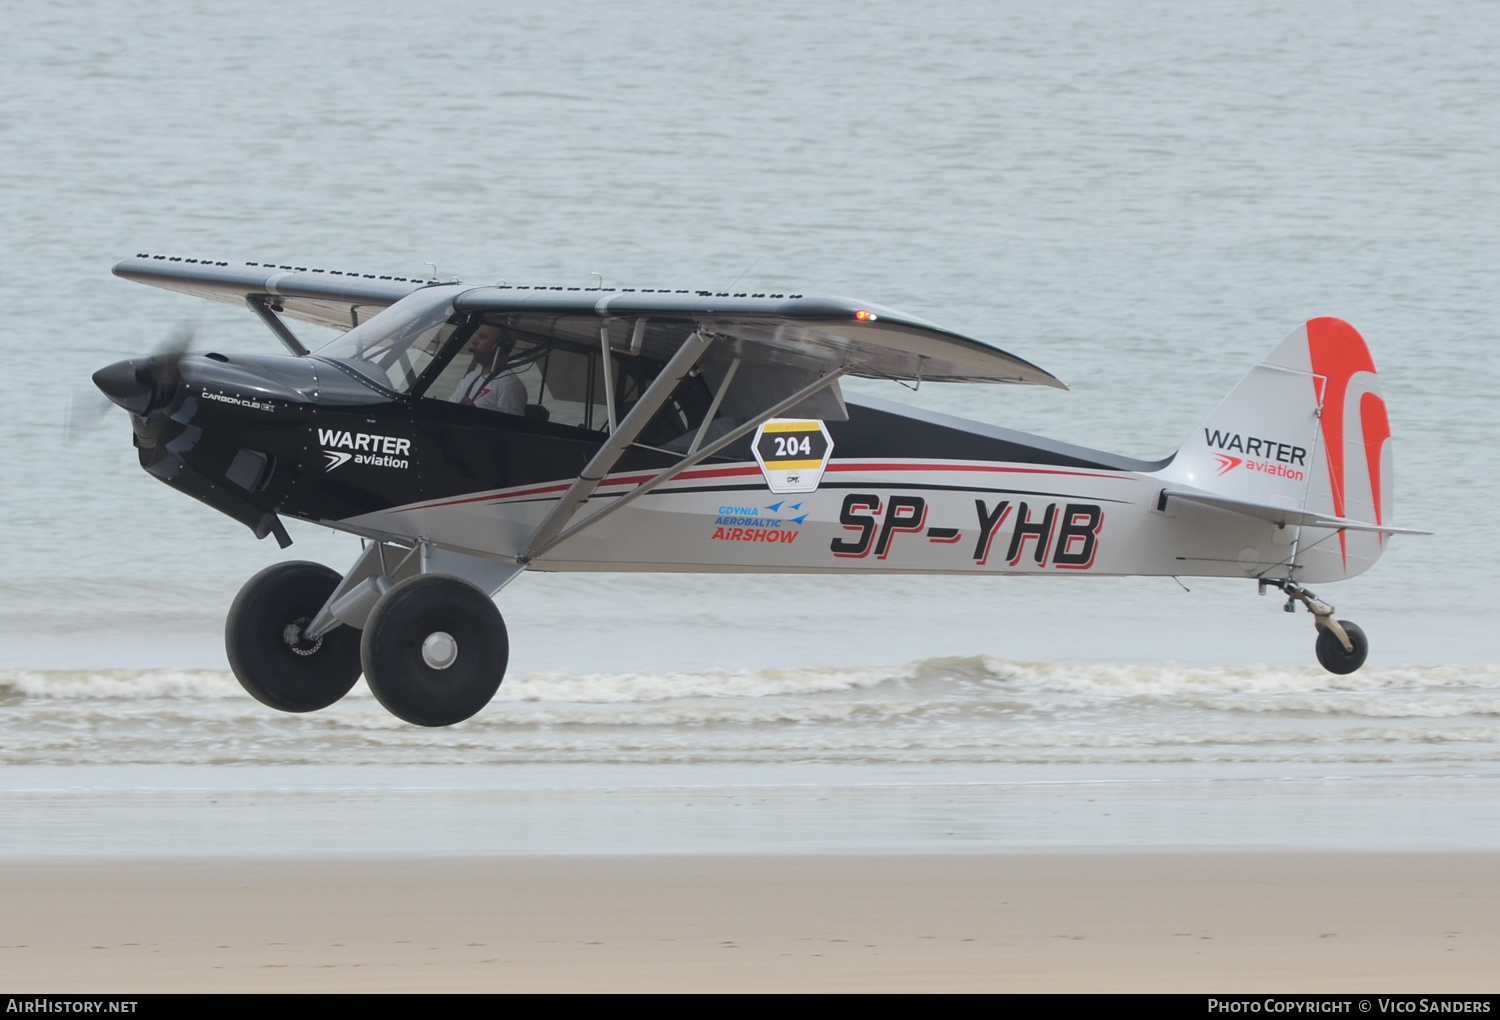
(119, 383)
(137, 384)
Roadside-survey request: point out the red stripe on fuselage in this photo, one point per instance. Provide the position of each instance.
(732, 472)
(561, 487)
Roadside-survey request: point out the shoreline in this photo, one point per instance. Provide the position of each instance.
(216, 812)
(1098, 920)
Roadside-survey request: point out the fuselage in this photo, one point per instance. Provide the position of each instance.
(902, 490)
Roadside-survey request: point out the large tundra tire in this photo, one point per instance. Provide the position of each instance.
(266, 651)
(434, 650)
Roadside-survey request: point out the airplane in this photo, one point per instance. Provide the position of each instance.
(469, 433)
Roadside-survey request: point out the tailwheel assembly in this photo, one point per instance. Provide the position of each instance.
(1342, 645)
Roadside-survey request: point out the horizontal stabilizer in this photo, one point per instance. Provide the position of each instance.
(1280, 516)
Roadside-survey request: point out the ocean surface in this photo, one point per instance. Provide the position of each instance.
(1142, 199)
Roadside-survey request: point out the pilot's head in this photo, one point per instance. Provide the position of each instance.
(489, 339)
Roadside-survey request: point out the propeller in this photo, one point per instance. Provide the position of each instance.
(141, 385)
(86, 409)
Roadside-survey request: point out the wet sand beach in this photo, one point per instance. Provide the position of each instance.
(1277, 921)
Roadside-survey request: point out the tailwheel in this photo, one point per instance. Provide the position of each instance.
(1332, 653)
(434, 650)
(1342, 646)
(267, 650)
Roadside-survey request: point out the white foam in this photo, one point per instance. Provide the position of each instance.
(114, 684)
(601, 688)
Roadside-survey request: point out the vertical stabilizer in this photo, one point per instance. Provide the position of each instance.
(1305, 429)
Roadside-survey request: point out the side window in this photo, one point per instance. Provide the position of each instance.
(498, 369)
(569, 391)
(491, 371)
(679, 417)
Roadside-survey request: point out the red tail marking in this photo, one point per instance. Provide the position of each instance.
(1377, 429)
(1227, 463)
(1338, 352)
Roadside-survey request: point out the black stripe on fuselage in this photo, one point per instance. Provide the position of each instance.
(883, 429)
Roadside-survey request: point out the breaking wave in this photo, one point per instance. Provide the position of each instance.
(933, 711)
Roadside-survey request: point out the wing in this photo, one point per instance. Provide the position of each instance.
(805, 332)
(808, 333)
(324, 297)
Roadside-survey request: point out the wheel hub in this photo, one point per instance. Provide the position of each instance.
(439, 651)
(297, 641)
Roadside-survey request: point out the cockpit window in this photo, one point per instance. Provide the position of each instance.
(496, 365)
(493, 369)
(394, 348)
(489, 362)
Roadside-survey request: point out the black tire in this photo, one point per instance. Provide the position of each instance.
(304, 678)
(1331, 650)
(423, 609)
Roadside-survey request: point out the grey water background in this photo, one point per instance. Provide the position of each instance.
(1141, 198)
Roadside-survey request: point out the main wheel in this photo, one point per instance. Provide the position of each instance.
(266, 652)
(434, 650)
(1331, 650)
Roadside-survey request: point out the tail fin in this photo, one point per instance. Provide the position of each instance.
(1306, 429)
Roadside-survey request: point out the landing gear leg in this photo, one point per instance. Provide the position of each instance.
(1342, 646)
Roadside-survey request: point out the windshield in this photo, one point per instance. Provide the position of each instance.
(396, 346)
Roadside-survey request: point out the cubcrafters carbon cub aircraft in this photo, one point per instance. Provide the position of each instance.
(470, 433)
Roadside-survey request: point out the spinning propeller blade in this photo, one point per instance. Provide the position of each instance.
(141, 385)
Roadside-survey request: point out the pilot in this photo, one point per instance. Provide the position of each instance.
(489, 384)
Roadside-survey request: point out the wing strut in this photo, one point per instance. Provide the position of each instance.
(539, 548)
(260, 304)
(609, 376)
(619, 440)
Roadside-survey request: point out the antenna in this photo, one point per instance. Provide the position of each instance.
(747, 269)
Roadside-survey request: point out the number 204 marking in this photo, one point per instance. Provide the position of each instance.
(790, 446)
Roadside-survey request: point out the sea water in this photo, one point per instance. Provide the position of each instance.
(1140, 198)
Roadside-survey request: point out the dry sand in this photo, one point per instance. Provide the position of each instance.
(1096, 921)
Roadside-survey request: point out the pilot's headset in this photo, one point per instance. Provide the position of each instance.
(503, 348)
(507, 343)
